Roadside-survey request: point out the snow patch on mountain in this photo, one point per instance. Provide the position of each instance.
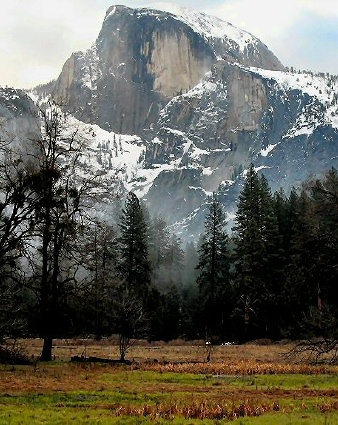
(322, 88)
(206, 102)
(199, 91)
(141, 184)
(111, 11)
(108, 154)
(118, 158)
(267, 150)
(90, 69)
(207, 171)
(9, 94)
(208, 26)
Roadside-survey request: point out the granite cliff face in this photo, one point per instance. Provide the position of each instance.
(286, 124)
(143, 58)
(207, 133)
(18, 118)
(202, 100)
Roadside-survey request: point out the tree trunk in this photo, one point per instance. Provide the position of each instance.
(46, 355)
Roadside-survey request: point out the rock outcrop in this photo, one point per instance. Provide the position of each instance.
(284, 123)
(204, 100)
(143, 58)
(18, 119)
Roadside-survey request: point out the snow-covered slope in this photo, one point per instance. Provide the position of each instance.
(209, 27)
(321, 88)
(294, 136)
(202, 100)
(144, 57)
(18, 122)
(283, 122)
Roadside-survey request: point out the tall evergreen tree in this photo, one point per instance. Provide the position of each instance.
(131, 297)
(303, 273)
(317, 249)
(134, 266)
(249, 251)
(175, 261)
(213, 266)
(288, 311)
(158, 250)
(258, 257)
(324, 195)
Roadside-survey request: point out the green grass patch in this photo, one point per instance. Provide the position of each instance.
(138, 376)
(28, 414)
(292, 418)
(293, 381)
(60, 393)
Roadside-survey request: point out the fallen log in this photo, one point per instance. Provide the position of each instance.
(93, 359)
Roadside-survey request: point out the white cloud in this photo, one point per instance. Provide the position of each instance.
(264, 19)
(36, 37)
(290, 28)
(324, 8)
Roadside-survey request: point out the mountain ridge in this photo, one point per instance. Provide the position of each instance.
(194, 129)
(142, 58)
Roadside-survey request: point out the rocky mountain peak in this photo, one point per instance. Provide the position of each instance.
(143, 58)
(200, 100)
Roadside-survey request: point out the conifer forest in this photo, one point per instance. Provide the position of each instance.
(66, 272)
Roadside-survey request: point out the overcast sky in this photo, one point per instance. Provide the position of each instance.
(37, 36)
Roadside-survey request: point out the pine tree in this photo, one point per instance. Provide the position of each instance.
(130, 297)
(258, 258)
(134, 266)
(158, 249)
(249, 251)
(274, 263)
(285, 210)
(100, 263)
(304, 252)
(213, 266)
(175, 261)
(323, 229)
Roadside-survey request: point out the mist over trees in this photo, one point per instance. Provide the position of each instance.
(214, 278)
(66, 273)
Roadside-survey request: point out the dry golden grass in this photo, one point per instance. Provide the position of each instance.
(199, 410)
(177, 351)
(243, 367)
(69, 377)
(169, 382)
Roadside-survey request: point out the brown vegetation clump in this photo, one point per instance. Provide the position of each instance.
(13, 354)
(239, 368)
(199, 410)
(328, 406)
(174, 351)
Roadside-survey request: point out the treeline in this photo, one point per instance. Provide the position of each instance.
(276, 276)
(64, 272)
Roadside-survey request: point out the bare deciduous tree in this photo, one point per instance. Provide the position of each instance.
(60, 201)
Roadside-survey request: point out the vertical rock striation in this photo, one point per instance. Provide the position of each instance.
(142, 58)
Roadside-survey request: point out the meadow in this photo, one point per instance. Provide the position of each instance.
(168, 384)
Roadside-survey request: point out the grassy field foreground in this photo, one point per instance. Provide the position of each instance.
(169, 384)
